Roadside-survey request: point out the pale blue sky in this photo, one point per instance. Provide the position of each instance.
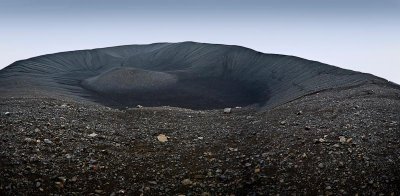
(360, 35)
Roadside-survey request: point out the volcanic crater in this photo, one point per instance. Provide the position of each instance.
(188, 74)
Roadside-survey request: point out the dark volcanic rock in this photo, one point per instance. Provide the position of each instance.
(99, 150)
(187, 74)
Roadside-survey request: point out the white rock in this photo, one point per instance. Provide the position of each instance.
(227, 110)
(47, 141)
(233, 149)
(92, 135)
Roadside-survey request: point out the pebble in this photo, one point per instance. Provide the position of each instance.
(59, 184)
(328, 188)
(227, 110)
(300, 112)
(98, 191)
(47, 141)
(153, 182)
(342, 139)
(233, 149)
(186, 182)
(92, 135)
(321, 165)
(162, 138)
(336, 145)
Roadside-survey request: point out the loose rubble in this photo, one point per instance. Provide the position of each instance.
(342, 142)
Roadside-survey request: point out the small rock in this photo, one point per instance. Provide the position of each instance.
(59, 184)
(247, 164)
(300, 112)
(153, 182)
(139, 106)
(74, 179)
(233, 149)
(257, 170)
(98, 191)
(321, 165)
(328, 188)
(282, 122)
(342, 139)
(62, 179)
(47, 141)
(200, 138)
(92, 135)
(162, 138)
(38, 184)
(227, 110)
(7, 113)
(371, 182)
(336, 145)
(29, 140)
(307, 127)
(186, 182)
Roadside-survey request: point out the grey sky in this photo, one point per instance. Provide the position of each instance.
(354, 34)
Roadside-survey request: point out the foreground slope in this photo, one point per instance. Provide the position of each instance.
(342, 141)
(188, 74)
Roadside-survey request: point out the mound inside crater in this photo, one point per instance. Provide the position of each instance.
(128, 87)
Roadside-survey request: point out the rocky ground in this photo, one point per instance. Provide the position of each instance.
(343, 141)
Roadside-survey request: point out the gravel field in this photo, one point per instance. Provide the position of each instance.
(335, 142)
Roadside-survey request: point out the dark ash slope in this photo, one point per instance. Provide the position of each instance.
(188, 74)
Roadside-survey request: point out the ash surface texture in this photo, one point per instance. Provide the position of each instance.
(304, 128)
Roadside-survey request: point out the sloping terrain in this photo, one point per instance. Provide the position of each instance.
(335, 142)
(188, 74)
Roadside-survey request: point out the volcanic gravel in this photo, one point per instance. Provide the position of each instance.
(333, 142)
